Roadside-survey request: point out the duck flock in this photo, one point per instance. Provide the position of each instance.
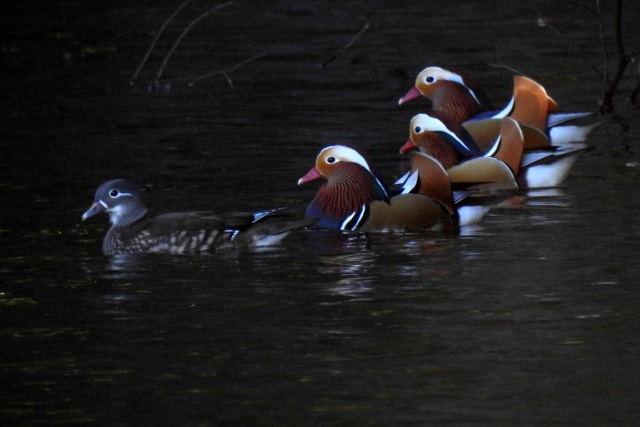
(466, 158)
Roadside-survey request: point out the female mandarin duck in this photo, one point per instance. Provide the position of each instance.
(527, 152)
(455, 94)
(176, 233)
(355, 198)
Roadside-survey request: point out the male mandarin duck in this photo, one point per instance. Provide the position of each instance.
(540, 164)
(499, 164)
(355, 198)
(451, 91)
(132, 231)
(441, 136)
(454, 93)
(470, 205)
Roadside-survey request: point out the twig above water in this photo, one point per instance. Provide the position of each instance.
(636, 90)
(155, 40)
(506, 67)
(184, 33)
(346, 46)
(612, 73)
(226, 71)
(571, 45)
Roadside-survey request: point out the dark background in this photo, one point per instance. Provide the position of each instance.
(529, 318)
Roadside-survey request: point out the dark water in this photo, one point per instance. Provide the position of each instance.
(530, 318)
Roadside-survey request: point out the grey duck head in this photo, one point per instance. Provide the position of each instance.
(121, 199)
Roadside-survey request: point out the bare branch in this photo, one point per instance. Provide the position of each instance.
(226, 71)
(575, 50)
(346, 46)
(610, 84)
(155, 40)
(184, 33)
(582, 6)
(605, 51)
(506, 67)
(633, 96)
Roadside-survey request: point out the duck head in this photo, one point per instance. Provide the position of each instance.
(450, 91)
(438, 135)
(352, 183)
(121, 199)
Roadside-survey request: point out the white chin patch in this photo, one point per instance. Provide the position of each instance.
(115, 214)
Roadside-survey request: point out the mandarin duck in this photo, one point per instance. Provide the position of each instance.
(533, 161)
(479, 183)
(451, 91)
(132, 231)
(471, 206)
(455, 94)
(354, 198)
(440, 136)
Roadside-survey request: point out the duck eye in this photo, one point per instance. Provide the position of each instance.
(331, 159)
(430, 79)
(114, 193)
(418, 129)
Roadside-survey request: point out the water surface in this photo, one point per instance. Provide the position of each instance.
(529, 318)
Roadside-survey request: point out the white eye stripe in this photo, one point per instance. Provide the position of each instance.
(339, 153)
(342, 153)
(118, 193)
(458, 79)
(438, 73)
(428, 123)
